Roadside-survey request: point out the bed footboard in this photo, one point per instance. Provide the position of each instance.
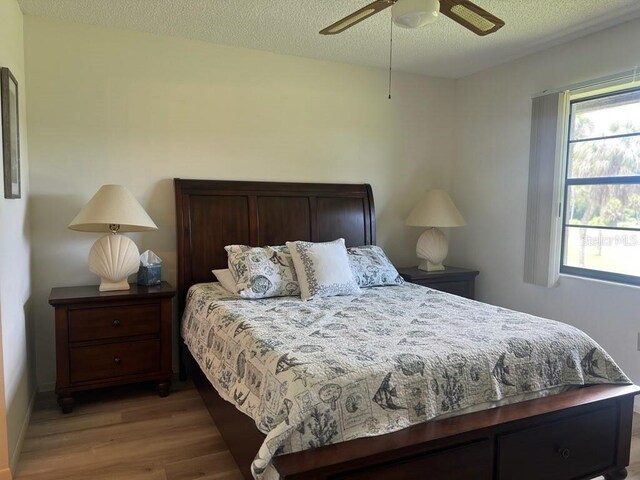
(582, 434)
(579, 434)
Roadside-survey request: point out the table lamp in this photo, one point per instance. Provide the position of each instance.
(113, 257)
(435, 209)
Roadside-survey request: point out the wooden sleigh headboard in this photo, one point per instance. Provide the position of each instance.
(212, 214)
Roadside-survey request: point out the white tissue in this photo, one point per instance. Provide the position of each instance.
(149, 258)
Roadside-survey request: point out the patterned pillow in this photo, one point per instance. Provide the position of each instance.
(323, 269)
(262, 272)
(372, 268)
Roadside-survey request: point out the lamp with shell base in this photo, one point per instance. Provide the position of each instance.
(435, 209)
(113, 257)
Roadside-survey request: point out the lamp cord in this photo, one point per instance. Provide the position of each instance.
(390, 55)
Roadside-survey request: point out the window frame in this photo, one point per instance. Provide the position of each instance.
(568, 181)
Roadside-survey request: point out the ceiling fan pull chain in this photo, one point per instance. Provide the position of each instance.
(390, 56)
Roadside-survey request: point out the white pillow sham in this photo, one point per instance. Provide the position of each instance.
(323, 269)
(226, 279)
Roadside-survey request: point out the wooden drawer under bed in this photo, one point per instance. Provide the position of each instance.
(570, 448)
(439, 465)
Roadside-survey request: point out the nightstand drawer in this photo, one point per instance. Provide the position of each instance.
(113, 322)
(113, 360)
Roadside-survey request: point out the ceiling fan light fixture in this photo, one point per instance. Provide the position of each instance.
(415, 13)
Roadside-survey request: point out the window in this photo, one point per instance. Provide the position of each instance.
(601, 217)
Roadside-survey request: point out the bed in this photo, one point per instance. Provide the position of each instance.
(579, 433)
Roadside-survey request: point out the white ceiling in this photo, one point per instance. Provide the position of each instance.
(444, 49)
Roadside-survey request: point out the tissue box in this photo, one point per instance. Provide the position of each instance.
(149, 275)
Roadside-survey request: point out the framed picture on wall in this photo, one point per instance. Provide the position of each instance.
(10, 133)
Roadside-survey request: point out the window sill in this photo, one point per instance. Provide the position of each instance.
(597, 280)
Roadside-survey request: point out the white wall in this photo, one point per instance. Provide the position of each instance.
(493, 116)
(111, 106)
(15, 277)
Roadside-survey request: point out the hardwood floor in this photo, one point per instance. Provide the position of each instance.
(131, 433)
(117, 434)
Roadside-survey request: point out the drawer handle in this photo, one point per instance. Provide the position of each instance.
(116, 323)
(564, 453)
(117, 360)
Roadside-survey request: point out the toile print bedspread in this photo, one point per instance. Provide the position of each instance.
(334, 369)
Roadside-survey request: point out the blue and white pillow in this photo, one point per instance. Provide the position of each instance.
(372, 268)
(323, 269)
(262, 272)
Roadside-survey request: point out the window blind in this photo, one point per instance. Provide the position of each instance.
(542, 259)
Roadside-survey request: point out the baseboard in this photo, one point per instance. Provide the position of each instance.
(15, 455)
(46, 387)
(5, 474)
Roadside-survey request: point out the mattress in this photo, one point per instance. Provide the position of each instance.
(334, 369)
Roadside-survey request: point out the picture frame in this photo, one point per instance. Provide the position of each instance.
(10, 133)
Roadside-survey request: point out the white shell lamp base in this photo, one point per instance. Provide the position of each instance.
(432, 247)
(113, 258)
(109, 286)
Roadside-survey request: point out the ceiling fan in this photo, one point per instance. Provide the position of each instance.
(417, 13)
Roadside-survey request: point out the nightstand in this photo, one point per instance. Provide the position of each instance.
(459, 281)
(111, 338)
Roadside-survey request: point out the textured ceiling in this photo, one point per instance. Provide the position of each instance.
(291, 27)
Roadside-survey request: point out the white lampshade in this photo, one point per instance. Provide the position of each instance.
(113, 257)
(435, 209)
(415, 13)
(113, 205)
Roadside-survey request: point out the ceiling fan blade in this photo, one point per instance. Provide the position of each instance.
(471, 16)
(357, 16)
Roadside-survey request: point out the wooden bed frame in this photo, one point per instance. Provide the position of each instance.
(579, 434)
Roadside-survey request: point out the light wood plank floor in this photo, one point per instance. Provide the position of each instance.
(126, 434)
(131, 433)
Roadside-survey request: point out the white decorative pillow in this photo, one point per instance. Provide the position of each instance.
(323, 269)
(372, 268)
(262, 272)
(226, 279)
